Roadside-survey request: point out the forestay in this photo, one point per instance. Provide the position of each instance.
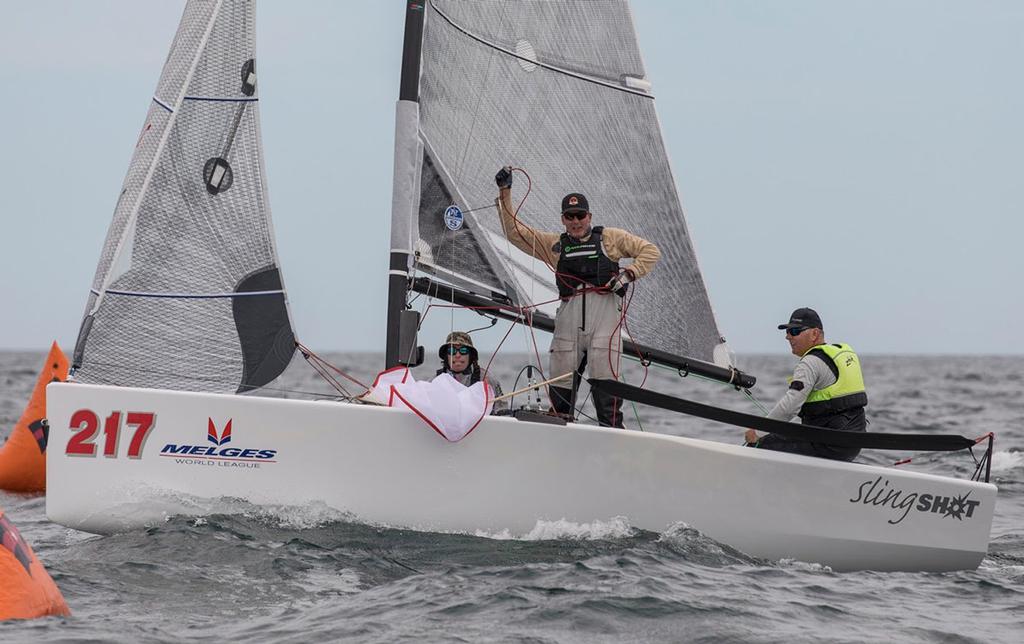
(188, 293)
(559, 89)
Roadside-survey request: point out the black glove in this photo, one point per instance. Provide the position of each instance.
(504, 177)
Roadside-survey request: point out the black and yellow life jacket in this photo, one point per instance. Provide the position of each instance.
(847, 392)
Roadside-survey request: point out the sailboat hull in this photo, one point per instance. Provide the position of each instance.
(153, 450)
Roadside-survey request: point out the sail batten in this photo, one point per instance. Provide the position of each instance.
(188, 294)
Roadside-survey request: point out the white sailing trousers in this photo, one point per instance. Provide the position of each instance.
(587, 326)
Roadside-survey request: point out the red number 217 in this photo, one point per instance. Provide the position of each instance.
(85, 424)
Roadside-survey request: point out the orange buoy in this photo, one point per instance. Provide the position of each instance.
(23, 456)
(26, 589)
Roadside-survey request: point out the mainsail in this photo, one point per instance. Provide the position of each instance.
(559, 89)
(188, 293)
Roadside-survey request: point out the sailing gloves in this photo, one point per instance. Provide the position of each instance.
(619, 283)
(504, 177)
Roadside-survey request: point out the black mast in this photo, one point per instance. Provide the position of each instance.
(398, 268)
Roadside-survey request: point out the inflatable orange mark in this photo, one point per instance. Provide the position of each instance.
(26, 589)
(23, 456)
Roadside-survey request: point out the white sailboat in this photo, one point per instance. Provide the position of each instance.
(188, 310)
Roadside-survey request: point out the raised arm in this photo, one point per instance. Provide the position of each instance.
(527, 239)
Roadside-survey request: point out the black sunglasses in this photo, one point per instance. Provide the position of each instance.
(796, 331)
(452, 350)
(576, 214)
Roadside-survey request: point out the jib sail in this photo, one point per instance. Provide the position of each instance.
(188, 292)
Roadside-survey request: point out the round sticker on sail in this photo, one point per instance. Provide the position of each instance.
(453, 218)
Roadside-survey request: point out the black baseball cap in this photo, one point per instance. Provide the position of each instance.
(804, 318)
(574, 202)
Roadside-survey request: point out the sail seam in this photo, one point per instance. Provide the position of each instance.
(192, 296)
(223, 99)
(540, 63)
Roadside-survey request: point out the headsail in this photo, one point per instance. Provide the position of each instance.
(188, 293)
(557, 88)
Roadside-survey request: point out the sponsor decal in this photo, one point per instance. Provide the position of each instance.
(453, 218)
(879, 493)
(217, 455)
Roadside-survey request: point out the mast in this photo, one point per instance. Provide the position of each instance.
(398, 266)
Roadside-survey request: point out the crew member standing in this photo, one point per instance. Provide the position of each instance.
(591, 285)
(826, 390)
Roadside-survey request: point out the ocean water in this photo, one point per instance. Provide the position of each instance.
(312, 573)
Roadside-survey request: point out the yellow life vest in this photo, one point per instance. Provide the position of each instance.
(847, 392)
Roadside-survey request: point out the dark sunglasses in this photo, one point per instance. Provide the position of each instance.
(797, 331)
(452, 350)
(579, 215)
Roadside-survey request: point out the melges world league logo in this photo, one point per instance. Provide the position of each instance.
(216, 453)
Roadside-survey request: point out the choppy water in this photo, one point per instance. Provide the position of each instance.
(302, 574)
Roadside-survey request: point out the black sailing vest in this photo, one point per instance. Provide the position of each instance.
(583, 262)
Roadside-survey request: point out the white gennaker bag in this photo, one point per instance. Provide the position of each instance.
(450, 408)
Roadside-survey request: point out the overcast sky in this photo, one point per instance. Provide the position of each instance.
(863, 158)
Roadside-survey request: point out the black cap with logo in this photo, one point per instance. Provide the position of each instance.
(804, 318)
(574, 202)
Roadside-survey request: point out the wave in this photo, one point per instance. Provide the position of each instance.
(614, 528)
(1006, 460)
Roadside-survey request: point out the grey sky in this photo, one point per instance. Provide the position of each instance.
(863, 158)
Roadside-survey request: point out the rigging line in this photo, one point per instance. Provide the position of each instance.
(518, 225)
(306, 349)
(756, 402)
(490, 205)
(479, 97)
(645, 363)
(515, 385)
(529, 333)
(533, 263)
(579, 410)
(317, 366)
(493, 320)
(539, 63)
(333, 382)
(494, 354)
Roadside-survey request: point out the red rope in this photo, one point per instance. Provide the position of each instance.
(525, 311)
